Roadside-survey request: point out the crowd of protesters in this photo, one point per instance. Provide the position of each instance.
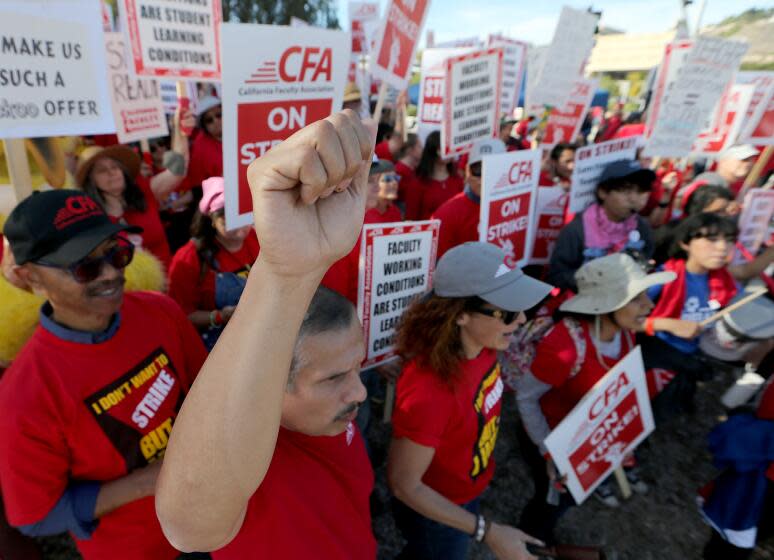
(252, 346)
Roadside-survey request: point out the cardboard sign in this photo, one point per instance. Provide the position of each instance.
(760, 129)
(471, 100)
(727, 121)
(674, 56)
(137, 107)
(174, 39)
(432, 86)
(359, 14)
(551, 206)
(565, 58)
(536, 58)
(611, 420)
(762, 83)
(276, 80)
(508, 198)
(53, 77)
(708, 67)
(757, 213)
(396, 266)
(564, 124)
(298, 22)
(469, 43)
(397, 41)
(514, 65)
(590, 161)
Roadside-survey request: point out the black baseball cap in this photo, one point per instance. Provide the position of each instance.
(59, 227)
(627, 169)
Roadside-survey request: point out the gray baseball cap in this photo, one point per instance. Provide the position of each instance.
(485, 147)
(480, 269)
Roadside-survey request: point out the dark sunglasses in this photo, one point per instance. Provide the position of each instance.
(388, 178)
(212, 118)
(506, 317)
(475, 169)
(88, 269)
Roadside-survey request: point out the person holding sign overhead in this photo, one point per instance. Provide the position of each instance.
(610, 225)
(265, 461)
(595, 329)
(447, 403)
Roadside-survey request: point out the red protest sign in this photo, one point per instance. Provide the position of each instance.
(610, 421)
(564, 124)
(397, 41)
(508, 199)
(761, 127)
(174, 41)
(729, 116)
(551, 206)
(359, 13)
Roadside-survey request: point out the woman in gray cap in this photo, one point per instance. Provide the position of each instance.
(447, 407)
(595, 331)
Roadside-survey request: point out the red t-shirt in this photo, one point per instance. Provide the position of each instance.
(459, 421)
(186, 285)
(392, 214)
(408, 181)
(459, 222)
(153, 237)
(206, 159)
(554, 361)
(313, 503)
(382, 150)
(96, 412)
(431, 194)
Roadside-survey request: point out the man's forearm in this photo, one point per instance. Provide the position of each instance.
(224, 437)
(116, 493)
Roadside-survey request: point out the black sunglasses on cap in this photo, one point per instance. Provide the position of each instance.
(88, 269)
(506, 317)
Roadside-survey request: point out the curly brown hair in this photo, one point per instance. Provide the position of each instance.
(428, 333)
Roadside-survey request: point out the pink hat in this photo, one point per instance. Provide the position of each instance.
(213, 198)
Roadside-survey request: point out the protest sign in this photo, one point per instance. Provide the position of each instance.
(674, 56)
(53, 77)
(760, 129)
(564, 124)
(565, 57)
(276, 80)
(469, 43)
(762, 83)
(169, 101)
(471, 100)
(726, 122)
(431, 89)
(508, 199)
(754, 222)
(708, 67)
(137, 108)
(514, 65)
(298, 22)
(590, 161)
(359, 14)
(551, 205)
(396, 266)
(536, 57)
(397, 41)
(611, 420)
(174, 40)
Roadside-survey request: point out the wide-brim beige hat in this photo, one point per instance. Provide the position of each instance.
(608, 283)
(352, 92)
(122, 154)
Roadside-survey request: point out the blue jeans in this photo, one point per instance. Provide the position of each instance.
(428, 539)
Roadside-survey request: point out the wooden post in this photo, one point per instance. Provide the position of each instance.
(623, 483)
(380, 102)
(18, 167)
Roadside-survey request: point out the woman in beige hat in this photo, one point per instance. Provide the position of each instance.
(595, 331)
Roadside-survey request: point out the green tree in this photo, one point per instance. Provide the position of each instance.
(279, 12)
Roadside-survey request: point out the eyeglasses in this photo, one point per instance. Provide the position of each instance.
(212, 118)
(506, 317)
(88, 269)
(388, 178)
(475, 169)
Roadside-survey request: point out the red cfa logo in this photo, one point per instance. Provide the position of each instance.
(297, 64)
(76, 208)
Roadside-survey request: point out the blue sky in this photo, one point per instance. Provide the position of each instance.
(534, 20)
